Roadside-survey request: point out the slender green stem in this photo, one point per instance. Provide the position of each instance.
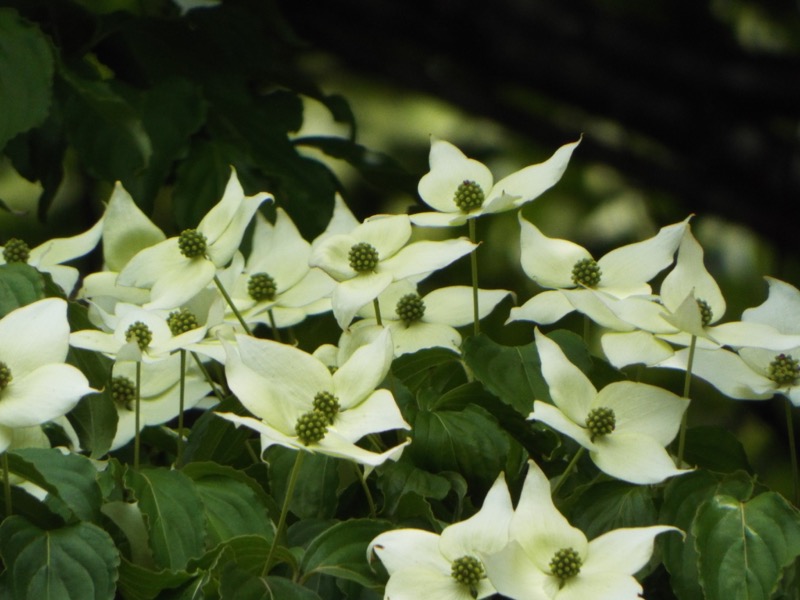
(792, 450)
(373, 512)
(276, 333)
(7, 485)
(298, 462)
(377, 306)
(570, 468)
(207, 376)
(232, 306)
(687, 382)
(137, 411)
(181, 406)
(473, 262)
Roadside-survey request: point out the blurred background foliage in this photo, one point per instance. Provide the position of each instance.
(684, 107)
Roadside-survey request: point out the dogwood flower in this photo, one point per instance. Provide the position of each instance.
(179, 267)
(625, 426)
(449, 566)
(373, 255)
(36, 385)
(461, 188)
(577, 282)
(548, 559)
(297, 403)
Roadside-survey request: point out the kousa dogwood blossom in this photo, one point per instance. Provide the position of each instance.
(575, 281)
(36, 385)
(461, 188)
(548, 559)
(625, 426)
(374, 254)
(448, 566)
(429, 321)
(297, 403)
(179, 267)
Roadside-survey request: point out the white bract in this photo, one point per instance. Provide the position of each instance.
(449, 566)
(36, 385)
(548, 559)
(461, 188)
(625, 426)
(297, 403)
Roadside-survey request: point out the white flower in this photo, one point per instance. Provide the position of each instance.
(299, 404)
(179, 267)
(449, 566)
(461, 188)
(373, 255)
(625, 426)
(36, 385)
(548, 559)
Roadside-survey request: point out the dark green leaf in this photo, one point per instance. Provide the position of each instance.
(20, 284)
(140, 583)
(414, 369)
(315, 496)
(609, 505)
(715, 449)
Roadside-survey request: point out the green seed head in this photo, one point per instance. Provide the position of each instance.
(469, 196)
(363, 257)
(5, 376)
(784, 370)
(468, 570)
(586, 272)
(328, 405)
(311, 427)
(261, 286)
(192, 243)
(181, 321)
(123, 391)
(566, 563)
(600, 421)
(410, 308)
(706, 313)
(140, 333)
(16, 251)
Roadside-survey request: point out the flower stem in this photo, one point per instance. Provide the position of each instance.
(181, 402)
(473, 261)
(276, 333)
(7, 486)
(298, 461)
(686, 386)
(137, 411)
(377, 306)
(207, 376)
(570, 468)
(373, 512)
(792, 451)
(232, 306)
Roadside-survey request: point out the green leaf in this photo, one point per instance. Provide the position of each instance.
(416, 368)
(201, 180)
(608, 505)
(215, 439)
(397, 479)
(26, 75)
(743, 547)
(140, 583)
(342, 549)
(20, 284)
(715, 449)
(77, 562)
(234, 585)
(173, 513)
(319, 474)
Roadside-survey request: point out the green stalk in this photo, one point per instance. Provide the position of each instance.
(377, 306)
(181, 402)
(137, 416)
(207, 376)
(570, 468)
(473, 262)
(7, 485)
(373, 512)
(298, 461)
(232, 306)
(792, 451)
(686, 386)
(276, 334)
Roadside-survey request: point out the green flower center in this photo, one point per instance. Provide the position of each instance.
(586, 272)
(600, 421)
(706, 314)
(566, 563)
(328, 405)
(261, 286)
(363, 257)
(123, 391)
(140, 333)
(181, 321)
(469, 196)
(468, 570)
(311, 427)
(410, 308)
(16, 251)
(784, 370)
(5, 376)
(192, 243)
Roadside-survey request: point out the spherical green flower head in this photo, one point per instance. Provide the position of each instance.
(468, 571)
(566, 563)
(706, 314)
(261, 286)
(123, 391)
(600, 421)
(16, 250)
(181, 321)
(363, 257)
(328, 405)
(311, 427)
(469, 196)
(192, 243)
(5, 376)
(141, 333)
(586, 272)
(784, 370)
(410, 308)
